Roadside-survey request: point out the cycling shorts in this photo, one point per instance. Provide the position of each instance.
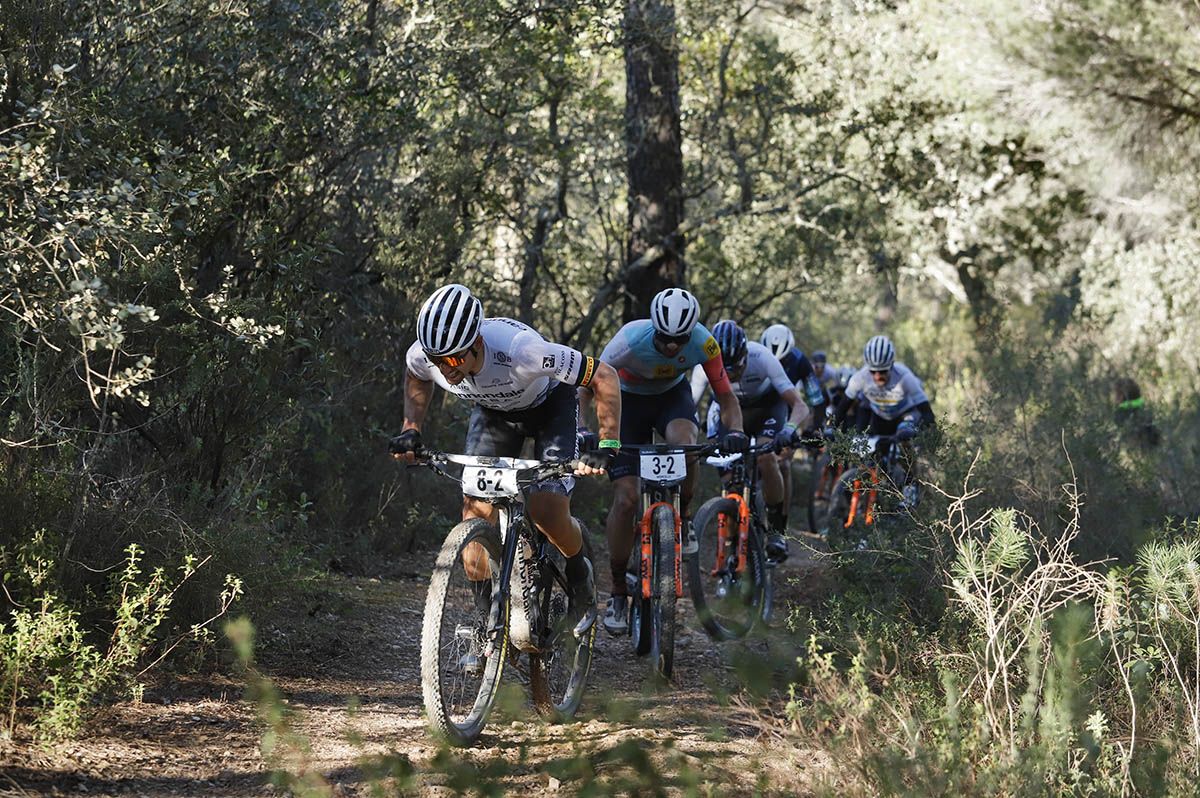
(759, 421)
(644, 414)
(551, 424)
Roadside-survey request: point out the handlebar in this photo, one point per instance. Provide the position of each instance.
(529, 471)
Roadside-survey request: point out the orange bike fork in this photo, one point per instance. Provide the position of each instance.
(723, 534)
(647, 552)
(856, 491)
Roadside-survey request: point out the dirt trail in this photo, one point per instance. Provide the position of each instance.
(348, 668)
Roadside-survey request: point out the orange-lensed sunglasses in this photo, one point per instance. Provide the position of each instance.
(450, 361)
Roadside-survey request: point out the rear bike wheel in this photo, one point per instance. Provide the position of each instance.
(662, 614)
(728, 601)
(558, 672)
(461, 664)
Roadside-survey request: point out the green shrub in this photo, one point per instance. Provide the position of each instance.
(52, 666)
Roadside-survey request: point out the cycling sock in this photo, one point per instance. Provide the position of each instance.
(483, 596)
(777, 518)
(619, 588)
(576, 568)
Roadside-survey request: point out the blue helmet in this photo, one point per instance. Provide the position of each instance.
(732, 340)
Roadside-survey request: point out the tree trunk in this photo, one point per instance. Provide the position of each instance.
(655, 160)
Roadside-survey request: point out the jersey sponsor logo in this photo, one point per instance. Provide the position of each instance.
(501, 358)
(548, 362)
(711, 348)
(665, 371)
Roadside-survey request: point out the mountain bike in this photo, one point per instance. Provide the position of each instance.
(524, 590)
(855, 495)
(729, 578)
(657, 582)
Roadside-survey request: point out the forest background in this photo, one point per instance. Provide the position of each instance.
(217, 220)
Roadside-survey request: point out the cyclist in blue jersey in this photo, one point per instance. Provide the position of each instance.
(771, 409)
(652, 358)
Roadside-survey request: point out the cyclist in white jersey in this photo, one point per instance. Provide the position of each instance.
(523, 386)
(891, 400)
(771, 408)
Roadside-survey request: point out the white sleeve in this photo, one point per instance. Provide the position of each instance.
(779, 377)
(534, 357)
(699, 383)
(854, 388)
(417, 363)
(913, 389)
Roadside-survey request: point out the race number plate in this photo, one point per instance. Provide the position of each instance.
(488, 483)
(663, 467)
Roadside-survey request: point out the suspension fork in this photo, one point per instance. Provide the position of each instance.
(743, 533)
(508, 519)
(871, 494)
(646, 553)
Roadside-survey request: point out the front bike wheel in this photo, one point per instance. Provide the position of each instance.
(728, 601)
(461, 663)
(837, 513)
(662, 601)
(819, 487)
(558, 672)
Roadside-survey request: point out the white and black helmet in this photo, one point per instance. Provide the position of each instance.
(879, 354)
(449, 320)
(674, 312)
(779, 339)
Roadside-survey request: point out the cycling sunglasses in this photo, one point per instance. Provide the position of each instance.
(880, 371)
(450, 361)
(678, 340)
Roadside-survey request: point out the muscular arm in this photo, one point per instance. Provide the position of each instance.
(731, 411)
(417, 393)
(798, 414)
(606, 388)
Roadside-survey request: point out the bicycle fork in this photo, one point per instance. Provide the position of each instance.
(724, 534)
(647, 546)
(871, 494)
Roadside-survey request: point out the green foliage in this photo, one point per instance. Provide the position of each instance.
(52, 667)
(1041, 680)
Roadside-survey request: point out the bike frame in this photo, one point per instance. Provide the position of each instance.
(510, 517)
(872, 491)
(740, 487)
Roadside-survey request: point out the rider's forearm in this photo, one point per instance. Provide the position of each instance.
(417, 394)
(585, 404)
(606, 388)
(799, 411)
(731, 411)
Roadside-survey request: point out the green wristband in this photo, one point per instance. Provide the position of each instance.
(609, 443)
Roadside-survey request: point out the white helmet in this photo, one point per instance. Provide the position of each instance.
(779, 339)
(674, 312)
(449, 320)
(879, 354)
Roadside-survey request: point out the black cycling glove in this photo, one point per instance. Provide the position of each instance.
(735, 442)
(586, 440)
(407, 442)
(598, 458)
